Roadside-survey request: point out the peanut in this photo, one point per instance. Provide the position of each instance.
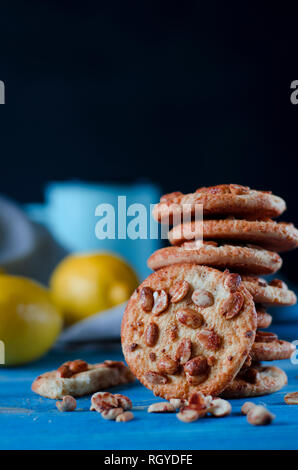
(202, 298)
(124, 417)
(291, 398)
(68, 403)
(259, 416)
(179, 290)
(220, 407)
(112, 413)
(162, 407)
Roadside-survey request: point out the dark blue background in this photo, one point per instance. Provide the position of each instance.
(183, 93)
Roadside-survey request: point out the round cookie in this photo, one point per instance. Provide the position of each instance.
(276, 293)
(264, 319)
(224, 199)
(267, 347)
(268, 234)
(188, 328)
(268, 380)
(242, 259)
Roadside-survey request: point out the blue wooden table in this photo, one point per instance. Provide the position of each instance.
(29, 421)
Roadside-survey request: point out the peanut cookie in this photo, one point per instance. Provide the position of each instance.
(267, 347)
(264, 319)
(275, 292)
(78, 378)
(242, 259)
(224, 199)
(268, 234)
(266, 380)
(188, 328)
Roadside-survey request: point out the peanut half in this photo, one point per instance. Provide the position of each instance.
(259, 416)
(68, 403)
(291, 398)
(162, 407)
(124, 417)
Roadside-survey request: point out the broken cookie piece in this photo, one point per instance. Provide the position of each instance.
(92, 378)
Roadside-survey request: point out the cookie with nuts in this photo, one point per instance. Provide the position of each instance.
(271, 235)
(266, 380)
(224, 199)
(274, 293)
(196, 336)
(243, 259)
(78, 378)
(267, 347)
(264, 319)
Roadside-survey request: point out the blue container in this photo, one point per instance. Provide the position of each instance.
(70, 215)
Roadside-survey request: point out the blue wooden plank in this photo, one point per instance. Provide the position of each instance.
(32, 422)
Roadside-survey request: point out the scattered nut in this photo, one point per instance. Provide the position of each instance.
(124, 417)
(102, 401)
(202, 298)
(246, 407)
(177, 403)
(259, 416)
(112, 413)
(151, 334)
(189, 317)
(187, 415)
(146, 299)
(220, 407)
(291, 398)
(179, 290)
(161, 302)
(68, 403)
(162, 407)
(199, 401)
(123, 401)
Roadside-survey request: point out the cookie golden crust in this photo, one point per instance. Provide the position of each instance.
(268, 234)
(97, 377)
(272, 351)
(188, 328)
(237, 258)
(224, 199)
(268, 380)
(264, 319)
(276, 293)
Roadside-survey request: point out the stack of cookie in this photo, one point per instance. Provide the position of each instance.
(194, 324)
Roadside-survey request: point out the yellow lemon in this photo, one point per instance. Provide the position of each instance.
(84, 284)
(29, 321)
